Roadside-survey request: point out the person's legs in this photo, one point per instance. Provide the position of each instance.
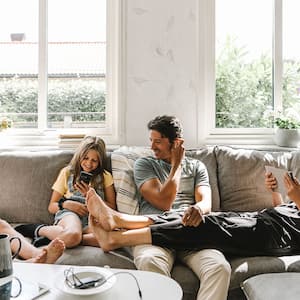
(50, 253)
(213, 271)
(28, 252)
(153, 259)
(88, 238)
(110, 240)
(68, 229)
(111, 219)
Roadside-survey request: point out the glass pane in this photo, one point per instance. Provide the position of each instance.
(77, 63)
(19, 62)
(291, 58)
(243, 63)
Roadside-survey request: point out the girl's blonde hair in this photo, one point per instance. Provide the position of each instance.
(89, 143)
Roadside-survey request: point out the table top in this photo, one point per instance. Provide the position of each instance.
(152, 285)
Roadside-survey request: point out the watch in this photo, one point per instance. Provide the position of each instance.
(60, 203)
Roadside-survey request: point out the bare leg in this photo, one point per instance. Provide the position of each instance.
(68, 230)
(27, 250)
(53, 251)
(110, 240)
(111, 219)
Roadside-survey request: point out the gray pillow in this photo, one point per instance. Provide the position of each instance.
(207, 156)
(26, 181)
(241, 176)
(275, 286)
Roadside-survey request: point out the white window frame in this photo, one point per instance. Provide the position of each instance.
(43, 136)
(208, 133)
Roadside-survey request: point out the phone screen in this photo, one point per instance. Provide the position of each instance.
(85, 176)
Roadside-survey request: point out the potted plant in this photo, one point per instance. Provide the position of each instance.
(287, 132)
(5, 123)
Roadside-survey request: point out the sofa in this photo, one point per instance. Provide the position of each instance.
(236, 178)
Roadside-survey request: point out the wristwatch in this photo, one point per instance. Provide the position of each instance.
(60, 203)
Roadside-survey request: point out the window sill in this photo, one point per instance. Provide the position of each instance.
(13, 140)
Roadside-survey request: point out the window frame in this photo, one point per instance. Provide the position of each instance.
(111, 131)
(208, 133)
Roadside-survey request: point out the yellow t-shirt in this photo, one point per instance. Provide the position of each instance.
(64, 185)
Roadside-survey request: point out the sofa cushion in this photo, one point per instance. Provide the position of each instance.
(94, 256)
(122, 161)
(272, 287)
(207, 156)
(241, 176)
(26, 181)
(246, 267)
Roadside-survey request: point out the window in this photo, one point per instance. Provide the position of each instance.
(291, 56)
(251, 54)
(56, 74)
(243, 63)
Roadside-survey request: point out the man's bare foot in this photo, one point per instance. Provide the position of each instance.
(101, 235)
(107, 217)
(51, 253)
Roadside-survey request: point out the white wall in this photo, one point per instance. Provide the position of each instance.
(161, 66)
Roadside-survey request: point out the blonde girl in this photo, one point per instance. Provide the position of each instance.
(68, 198)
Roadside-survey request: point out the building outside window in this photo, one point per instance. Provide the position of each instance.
(53, 66)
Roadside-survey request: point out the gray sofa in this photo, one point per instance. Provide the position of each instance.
(237, 181)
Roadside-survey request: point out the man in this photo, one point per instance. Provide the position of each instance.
(47, 255)
(171, 181)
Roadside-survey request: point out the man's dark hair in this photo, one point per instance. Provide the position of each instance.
(168, 126)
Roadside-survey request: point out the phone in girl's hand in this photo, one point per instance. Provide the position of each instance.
(85, 177)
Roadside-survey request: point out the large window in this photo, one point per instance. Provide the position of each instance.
(291, 55)
(54, 67)
(243, 62)
(256, 71)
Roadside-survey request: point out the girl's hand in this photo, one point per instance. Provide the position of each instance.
(270, 182)
(82, 187)
(76, 207)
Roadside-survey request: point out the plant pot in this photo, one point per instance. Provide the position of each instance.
(287, 137)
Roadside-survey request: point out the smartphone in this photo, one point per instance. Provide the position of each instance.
(85, 177)
(291, 175)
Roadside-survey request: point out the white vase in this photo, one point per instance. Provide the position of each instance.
(287, 137)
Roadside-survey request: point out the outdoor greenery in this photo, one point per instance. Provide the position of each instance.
(243, 94)
(83, 99)
(244, 88)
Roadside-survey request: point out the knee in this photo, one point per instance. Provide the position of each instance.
(71, 239)
(152, 263)
(220, 269)
(224, 269)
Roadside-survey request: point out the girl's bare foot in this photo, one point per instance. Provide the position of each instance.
(107, 217)
(51, 253)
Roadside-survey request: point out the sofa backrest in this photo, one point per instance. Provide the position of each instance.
(240, 174)
(208, 157)
(26, 183)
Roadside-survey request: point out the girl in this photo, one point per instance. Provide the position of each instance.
(68, 198)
